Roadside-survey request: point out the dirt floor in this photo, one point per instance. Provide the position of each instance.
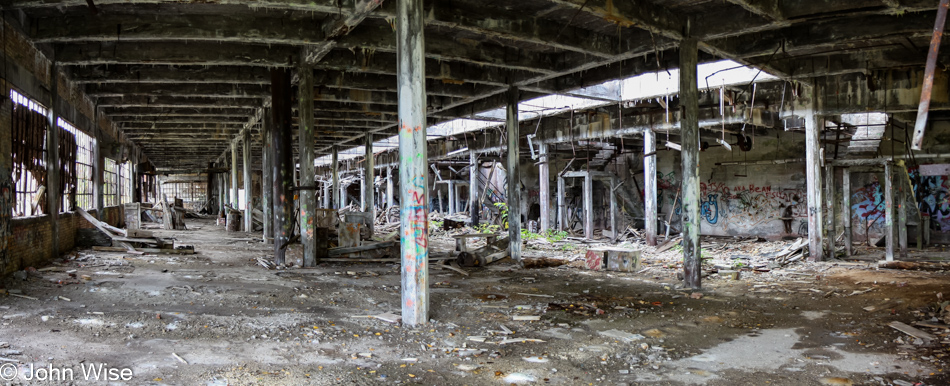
(218, 318)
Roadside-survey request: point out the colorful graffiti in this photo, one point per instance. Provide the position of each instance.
(934, 199)
(739, 207)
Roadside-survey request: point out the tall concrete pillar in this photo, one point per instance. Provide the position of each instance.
(689, 132)
(283, 162)
(235, 196)
(514, 176)
(544, 178)
(246, 158)
(649, 187)
(369, 177)
(588, 199)
(846, 208)
(53, 185)
(813, 177)
(389, 188)
(335, 174)
(561, 205)
(889, 211)
(306, 140)
(267, 176)
(413, 189)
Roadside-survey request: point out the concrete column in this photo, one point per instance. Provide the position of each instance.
(613, 209)
(473, 205)
(413, 218)
(283, 162)
(588, 199)
(389, 188)
(246, 159)
(53, 190)
(335, 174)
(561, 206)
(514, 176)
(544, 178)
(369, 178)
(305, 134)
(846, 208)
(829, 180)
(97, 174)
(267, 176)
(889, 211)
(813, 177)
(451, 188)
(649, 187)
(326, 194)
(689, 134)
(235, 196)
(902, 220)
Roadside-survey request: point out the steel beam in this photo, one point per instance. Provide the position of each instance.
(413, 218)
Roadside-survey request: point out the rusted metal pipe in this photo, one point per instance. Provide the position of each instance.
(925, 91)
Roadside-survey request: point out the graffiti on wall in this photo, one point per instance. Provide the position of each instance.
(739, 207)
(934, 199)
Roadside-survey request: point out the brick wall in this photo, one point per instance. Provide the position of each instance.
(29, 243)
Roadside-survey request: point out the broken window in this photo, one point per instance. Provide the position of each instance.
(110, 182)
(125, 178)
(79, 187)
(29, 155)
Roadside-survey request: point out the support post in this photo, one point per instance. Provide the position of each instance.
(369, 178)
(246, 158)
(267, 175)
(927, 88)
(613, 209)
(283, 162)
(235, 199)
(451, 188)
(649, 187)
(829, 180)
(813, 177)
(53, 176)
(846, 208)
(97, 175)
(689, 105)
(413, 167)
(389, 188)
(514, 176)
(544, 178)
(561, 207)
(209, 185)
(335, 174)
(588, 207)
(889, 212)
(305, 134)
(326, 194)
(902, 220)
(473, 205)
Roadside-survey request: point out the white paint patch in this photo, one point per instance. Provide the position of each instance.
(773, 350)
(814, 315)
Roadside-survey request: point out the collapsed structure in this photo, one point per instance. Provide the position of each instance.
(313, 123)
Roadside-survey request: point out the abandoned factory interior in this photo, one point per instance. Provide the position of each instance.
(475, 192)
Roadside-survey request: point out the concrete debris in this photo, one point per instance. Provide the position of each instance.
(621, 335)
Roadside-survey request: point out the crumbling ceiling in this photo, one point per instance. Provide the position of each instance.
(182, 78)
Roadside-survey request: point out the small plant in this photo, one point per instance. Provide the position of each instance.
(527, 235)
(555, 236)
(567, 247)
(503, 209)
(487, 228)
(738, 265)
(435, 224)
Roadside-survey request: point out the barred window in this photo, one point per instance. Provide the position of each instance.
(125, 176)
(110, 182)
(83, 184)
(30, 122)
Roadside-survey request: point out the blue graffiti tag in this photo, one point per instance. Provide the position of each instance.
(709, 209)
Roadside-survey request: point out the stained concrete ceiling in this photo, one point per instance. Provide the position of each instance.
(182, 78)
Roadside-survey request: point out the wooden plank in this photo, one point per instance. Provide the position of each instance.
(96, 223)
(902, 327)
(147, 250)
(362, 248)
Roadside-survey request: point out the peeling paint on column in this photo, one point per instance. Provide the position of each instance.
(306, 146)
